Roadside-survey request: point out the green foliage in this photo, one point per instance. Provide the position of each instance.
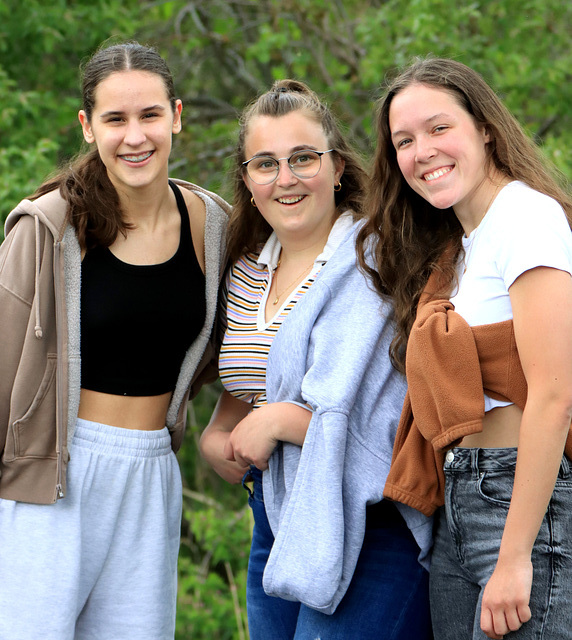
(212, 570)
(345, 49)
(41, 47)
(223, 53)
(215, 541)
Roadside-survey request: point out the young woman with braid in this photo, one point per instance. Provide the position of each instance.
(311, 400)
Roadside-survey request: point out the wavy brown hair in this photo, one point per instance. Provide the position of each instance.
(247, 228)
(93, 203)
(408, 236)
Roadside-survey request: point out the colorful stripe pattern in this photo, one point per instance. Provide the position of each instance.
(248, 338)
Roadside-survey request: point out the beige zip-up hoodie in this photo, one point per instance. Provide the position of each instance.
(40, 360)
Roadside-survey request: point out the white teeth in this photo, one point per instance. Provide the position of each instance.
(291, 200)
(436, 174)
(138, 158)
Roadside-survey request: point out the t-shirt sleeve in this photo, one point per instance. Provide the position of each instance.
(534, 232)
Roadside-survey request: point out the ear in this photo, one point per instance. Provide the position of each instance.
(86, 127)
(177, 123)
(486, 135)
(339, 167)
(246, 180)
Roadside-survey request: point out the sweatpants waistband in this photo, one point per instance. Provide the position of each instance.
(103, 438)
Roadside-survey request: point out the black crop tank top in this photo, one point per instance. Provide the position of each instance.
(137, 321)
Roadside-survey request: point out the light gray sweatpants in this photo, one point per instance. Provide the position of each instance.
(100, 564)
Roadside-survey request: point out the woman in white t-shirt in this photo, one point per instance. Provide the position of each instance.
(461, 192)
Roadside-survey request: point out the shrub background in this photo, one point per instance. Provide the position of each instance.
(223, 53)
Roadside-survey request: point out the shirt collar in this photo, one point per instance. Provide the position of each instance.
(270, 253)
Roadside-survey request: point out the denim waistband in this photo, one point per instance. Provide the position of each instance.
(253, 475)
(383, 514)
(494, 459)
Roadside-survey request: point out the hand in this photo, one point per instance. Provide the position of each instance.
(252, 441)
(506, 598)
(212, 445)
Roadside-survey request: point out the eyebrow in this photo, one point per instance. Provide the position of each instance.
(300, 147)
(437, 116)
(155, 107)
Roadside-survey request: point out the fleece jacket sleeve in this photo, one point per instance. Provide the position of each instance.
(16, 295)
(331, 353)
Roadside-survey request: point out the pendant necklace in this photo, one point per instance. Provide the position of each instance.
(296, 279)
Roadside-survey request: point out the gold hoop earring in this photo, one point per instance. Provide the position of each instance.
(252, 202)
(338, 187)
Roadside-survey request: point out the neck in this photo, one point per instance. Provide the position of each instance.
(302, 250)
(144, 207)
(472, 213)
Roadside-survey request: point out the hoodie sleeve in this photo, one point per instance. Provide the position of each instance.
(333, 347)
(17, 259)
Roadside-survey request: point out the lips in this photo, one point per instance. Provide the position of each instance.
(290, 199)
(137, 158)
(433, 175)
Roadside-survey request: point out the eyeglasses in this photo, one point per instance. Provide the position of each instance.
(303, 164)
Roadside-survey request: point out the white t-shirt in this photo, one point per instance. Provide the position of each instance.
(523, 229)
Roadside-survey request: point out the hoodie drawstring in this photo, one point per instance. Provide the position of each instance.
(38, 327)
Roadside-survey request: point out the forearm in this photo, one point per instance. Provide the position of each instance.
(544, 341)
(291, 422)
(227, 413)
(255, 438)
(544, 428)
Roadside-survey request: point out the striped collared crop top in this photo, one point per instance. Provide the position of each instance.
(248, 337)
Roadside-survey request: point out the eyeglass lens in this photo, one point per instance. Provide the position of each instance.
(264, 169)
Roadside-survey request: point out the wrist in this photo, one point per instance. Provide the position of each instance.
(510, 554)
(289, 422)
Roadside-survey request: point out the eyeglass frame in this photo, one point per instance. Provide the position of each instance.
(287, 158)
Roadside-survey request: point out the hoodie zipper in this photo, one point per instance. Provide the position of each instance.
(59, 380)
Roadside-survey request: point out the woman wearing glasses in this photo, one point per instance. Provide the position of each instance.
(311, 403)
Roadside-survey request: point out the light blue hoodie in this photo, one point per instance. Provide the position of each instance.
(331, 353)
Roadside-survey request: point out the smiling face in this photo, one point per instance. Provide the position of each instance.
(294, 207)
(441, 152)
(132, 125)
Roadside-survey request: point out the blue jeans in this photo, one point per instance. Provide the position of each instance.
(387, 598)
(468, 532)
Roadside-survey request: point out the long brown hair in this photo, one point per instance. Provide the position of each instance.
(407, 235)
(247, 228)
(93, 203)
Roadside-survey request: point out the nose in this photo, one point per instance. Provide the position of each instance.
(134, 135)
(285, 175)
(424, 150)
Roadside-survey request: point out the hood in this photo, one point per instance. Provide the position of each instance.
(50, 211)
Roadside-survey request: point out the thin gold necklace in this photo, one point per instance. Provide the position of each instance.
(296, 279)
(468, 254)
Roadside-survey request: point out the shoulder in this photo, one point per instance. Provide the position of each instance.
(247, 266)
(215, 206)
(527, 229)
(50, 209)
(342, 269)
(518, 206)
(212, 213)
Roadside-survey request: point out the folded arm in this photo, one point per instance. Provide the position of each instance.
(255, 437)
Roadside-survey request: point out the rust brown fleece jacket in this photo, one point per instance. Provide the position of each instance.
(449, 367)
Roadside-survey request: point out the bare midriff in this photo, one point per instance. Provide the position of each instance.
(501, 427)
(147, 413)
